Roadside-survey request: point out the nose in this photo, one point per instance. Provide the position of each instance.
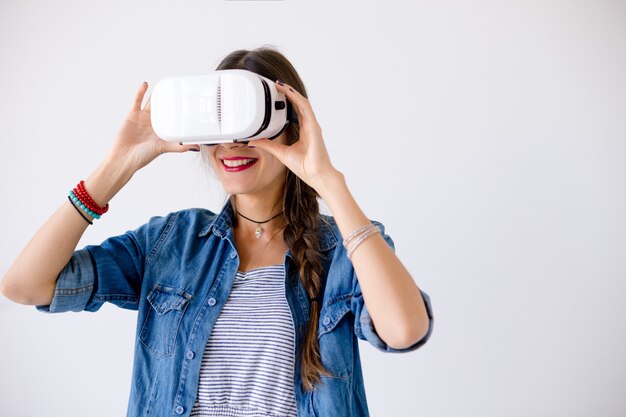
(236, 145)
(228, 145)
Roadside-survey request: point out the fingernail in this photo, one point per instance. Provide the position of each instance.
(281, 82)
(194, 150)
(251, 146)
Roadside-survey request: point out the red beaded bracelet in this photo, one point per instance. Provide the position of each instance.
(84, 197)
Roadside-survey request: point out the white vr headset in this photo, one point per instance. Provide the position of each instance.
(218, 107)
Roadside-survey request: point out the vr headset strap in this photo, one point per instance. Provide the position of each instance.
(292, 117)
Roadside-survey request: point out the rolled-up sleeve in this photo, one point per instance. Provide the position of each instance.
(363, 324)
(109, 272)
(74, 286)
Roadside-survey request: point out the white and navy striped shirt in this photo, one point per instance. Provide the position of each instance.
(248, 362)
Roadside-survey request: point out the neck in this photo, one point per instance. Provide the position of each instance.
(260, 209)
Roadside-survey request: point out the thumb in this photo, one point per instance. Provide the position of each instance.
(276, 149)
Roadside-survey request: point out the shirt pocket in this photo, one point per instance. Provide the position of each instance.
(335, 336)
(167, 306)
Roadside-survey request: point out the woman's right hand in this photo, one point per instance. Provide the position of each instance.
(136, 141)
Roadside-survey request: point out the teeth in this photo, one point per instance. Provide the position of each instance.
(236, 162)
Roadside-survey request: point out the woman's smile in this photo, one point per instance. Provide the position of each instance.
(248, 170)
(237, 163)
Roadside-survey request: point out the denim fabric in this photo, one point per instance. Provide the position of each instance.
(177, 271)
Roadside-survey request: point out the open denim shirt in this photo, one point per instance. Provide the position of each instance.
(177, 271)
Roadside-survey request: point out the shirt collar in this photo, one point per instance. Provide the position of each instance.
(221, 224)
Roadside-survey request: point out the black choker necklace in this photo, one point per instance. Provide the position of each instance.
(259, 232)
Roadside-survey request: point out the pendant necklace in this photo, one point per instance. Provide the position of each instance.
(259, 232)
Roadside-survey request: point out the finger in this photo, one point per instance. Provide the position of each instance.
(147, 106)
(167, 146)
(301, 103)
(139, 96)
(286, 89)
(276, 149)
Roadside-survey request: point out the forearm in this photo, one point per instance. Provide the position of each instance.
(393, 299)
(32, 276)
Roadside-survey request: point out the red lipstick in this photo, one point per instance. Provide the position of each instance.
(233, 164)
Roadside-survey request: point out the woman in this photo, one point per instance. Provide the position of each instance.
(253, 311)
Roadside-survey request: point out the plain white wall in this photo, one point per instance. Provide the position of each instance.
(488, 136)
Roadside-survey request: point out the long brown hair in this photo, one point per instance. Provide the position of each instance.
(301, 208)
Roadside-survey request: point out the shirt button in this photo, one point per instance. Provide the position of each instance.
(190, 354)
(180, 409)
(212, 301)
(326, 320)
(233, 255)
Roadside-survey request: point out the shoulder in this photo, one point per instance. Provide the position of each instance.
(195, 215)
(191, 220)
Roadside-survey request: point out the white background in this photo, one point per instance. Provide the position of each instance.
(488, 136)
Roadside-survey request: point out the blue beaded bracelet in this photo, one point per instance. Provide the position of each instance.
(78, 210)
(82, 206)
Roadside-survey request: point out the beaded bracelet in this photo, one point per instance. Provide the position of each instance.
(78, 210)
(357, 237)
(360, 240)
(82, 205)
(83, 200)
(356, 232)
(86, 199)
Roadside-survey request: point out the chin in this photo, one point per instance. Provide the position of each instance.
(235, 188)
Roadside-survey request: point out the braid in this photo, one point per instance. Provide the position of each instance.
(301, 237)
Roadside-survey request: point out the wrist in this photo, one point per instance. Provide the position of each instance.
(108, 179)
(329, 183)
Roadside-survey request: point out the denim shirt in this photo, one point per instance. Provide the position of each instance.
(177, 271)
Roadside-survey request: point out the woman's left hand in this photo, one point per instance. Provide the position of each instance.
(308, 157)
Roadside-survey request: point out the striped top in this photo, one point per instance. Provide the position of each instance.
(248, 362)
